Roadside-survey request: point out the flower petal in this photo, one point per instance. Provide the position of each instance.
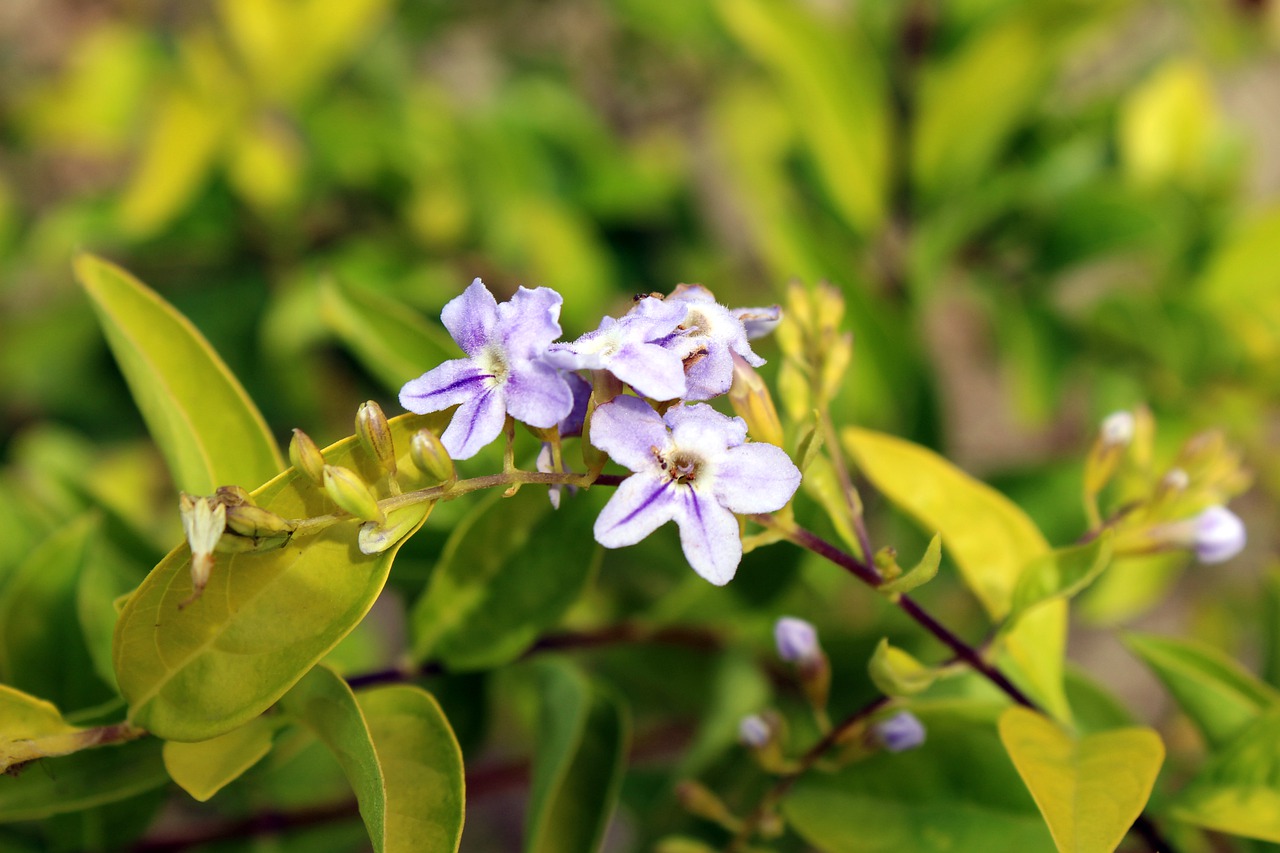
(451, 383)
(477, 422)
(581, 390)
(628, 429)
(702, 429)
(537, 394)
(711, 375)
(641, 505)
(529, 322)
(709, 536)
(756, 477)
(471, 317)
(759, 321)
(652, 370)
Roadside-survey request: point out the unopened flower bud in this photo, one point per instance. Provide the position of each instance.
(754, 731)
(203, 522)
(698, 800)
(255, 522)
(431, 457)
(752, 402)
(900, 732)
(375, 434)
(1176, 480)
(797, 640)
(305, 456)
(349, 492)
(1117, 429)
(1219, 535)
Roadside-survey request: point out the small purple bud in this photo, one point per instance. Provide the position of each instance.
(1219, 535)
(900, 732)
(754, 731)
(797, 640)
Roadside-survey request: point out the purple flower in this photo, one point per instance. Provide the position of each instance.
(1218, 535)
(503, 372)
(630, 349)
(706, 340)
(693, 467)
(796, 639)
(900, 732)
(758, 322)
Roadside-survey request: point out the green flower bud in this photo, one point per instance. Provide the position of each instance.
(430, 456)
(306, 456)
(752, 402)
(232, 496)
(375, 434)
(256, 522)
(234, 543)
(349, 492)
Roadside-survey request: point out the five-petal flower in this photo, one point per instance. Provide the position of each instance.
(692, 466)
(504, 371)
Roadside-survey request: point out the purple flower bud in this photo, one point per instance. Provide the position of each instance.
(900, 732)
(796, 639)
(1219, 535)
(754, 731)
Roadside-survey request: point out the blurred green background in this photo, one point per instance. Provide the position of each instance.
(1038, 212)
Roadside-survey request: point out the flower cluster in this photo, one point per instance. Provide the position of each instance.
(690, 463)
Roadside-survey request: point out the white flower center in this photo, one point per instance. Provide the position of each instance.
(680, 465)
(492, 360)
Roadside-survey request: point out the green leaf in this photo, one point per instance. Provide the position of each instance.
(970, 105)
(836, 89)
(896, 673)
(399, 754)
(204, 768)
(577, 769)
(1090, 789)
(93, 777)
(956, 792)
(390, 339)
(1238, 792)
(987, 535)
(921, 573)
(39, 622)
(507, 573)
(1217, 693)
(208, 429)
(1060, 574)
(265, 618)
(1130, 587)
(24, 718)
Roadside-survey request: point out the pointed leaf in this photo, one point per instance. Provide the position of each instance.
(24, 718)
(1089, 789)
(1219, 695)
(390, 339)
(265, 618)
(39, 622)
(508, 572)
(987, 535)
(208, 429)
(896, 673)
(921, 573)
(82, 780)
(1060, 574)
(578, 766)
(398, 753)
(1238, 791)
(206, 767)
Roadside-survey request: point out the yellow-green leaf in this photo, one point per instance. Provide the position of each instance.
(1219, 695)
(1238, 791)
(25, 718)
(1169, 124)
(398, 753)
(265, 618)
(897, 673)
(82, 780)
(987, 535)
(206, 767)
(1089, 789)
(1060, 574)
(208, 429)
(921, 573)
